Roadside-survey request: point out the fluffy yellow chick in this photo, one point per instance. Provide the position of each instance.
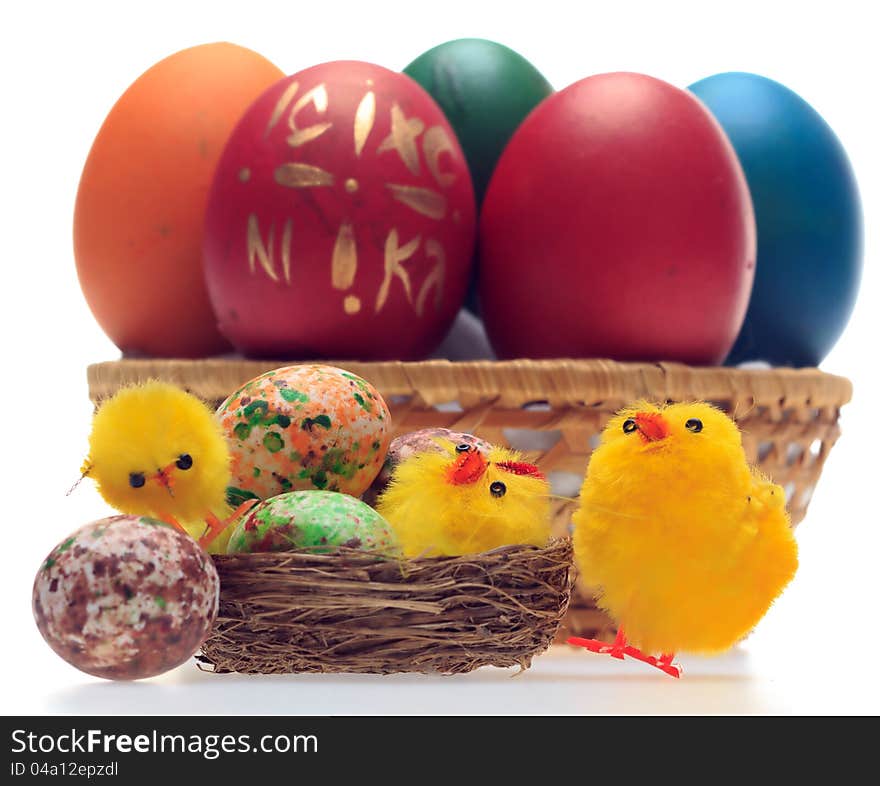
(687, 545)
(156, 450)
(459, 501)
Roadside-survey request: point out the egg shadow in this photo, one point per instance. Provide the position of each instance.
(564, 682)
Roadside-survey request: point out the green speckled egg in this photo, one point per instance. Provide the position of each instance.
(317, 520)
(305, 427)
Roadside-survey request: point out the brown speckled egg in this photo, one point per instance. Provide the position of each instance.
(407, 445)
(126, 597)
(308, 427)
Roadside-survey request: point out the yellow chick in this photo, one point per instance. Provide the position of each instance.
(156, 450)
(460, 501)
(687, 545)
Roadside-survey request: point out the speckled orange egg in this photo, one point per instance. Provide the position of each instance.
(141, 201)
(306, 427)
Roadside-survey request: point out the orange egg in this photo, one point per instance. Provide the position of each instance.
(140, 206)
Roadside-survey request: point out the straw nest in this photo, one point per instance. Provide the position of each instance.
(352, 611)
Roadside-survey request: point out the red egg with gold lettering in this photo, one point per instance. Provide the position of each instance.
(341, 219)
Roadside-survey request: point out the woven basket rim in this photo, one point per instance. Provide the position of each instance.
(578, 382)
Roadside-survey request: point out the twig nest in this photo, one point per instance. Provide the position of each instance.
(355, 612)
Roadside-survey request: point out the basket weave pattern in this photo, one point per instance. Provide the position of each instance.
(558, 408)
(351, 612)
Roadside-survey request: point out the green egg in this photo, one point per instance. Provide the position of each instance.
(320, 521)
(485, 90)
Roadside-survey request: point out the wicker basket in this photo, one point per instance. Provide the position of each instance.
(789, 418)
(351, 612)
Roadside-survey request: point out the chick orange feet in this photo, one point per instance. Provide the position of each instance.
(169, 519)
(620, 648)
(216, 526)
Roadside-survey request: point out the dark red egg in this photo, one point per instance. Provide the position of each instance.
(617, 224)
(340, 223)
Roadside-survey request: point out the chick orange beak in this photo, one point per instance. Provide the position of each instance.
(652, 426)
(468, 467)
(165, 479)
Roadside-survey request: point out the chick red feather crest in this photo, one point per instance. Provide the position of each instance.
(520, 468)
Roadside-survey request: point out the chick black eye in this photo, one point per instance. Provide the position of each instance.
(694, 425)
(497, 489)
(462, 448)
(136, 479)
(629, 425)
(184, 461)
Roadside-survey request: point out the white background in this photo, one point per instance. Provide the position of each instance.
(64, 65)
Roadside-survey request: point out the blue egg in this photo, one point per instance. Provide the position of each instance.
(808, 214)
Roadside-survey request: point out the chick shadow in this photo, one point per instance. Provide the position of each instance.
(565, 681)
